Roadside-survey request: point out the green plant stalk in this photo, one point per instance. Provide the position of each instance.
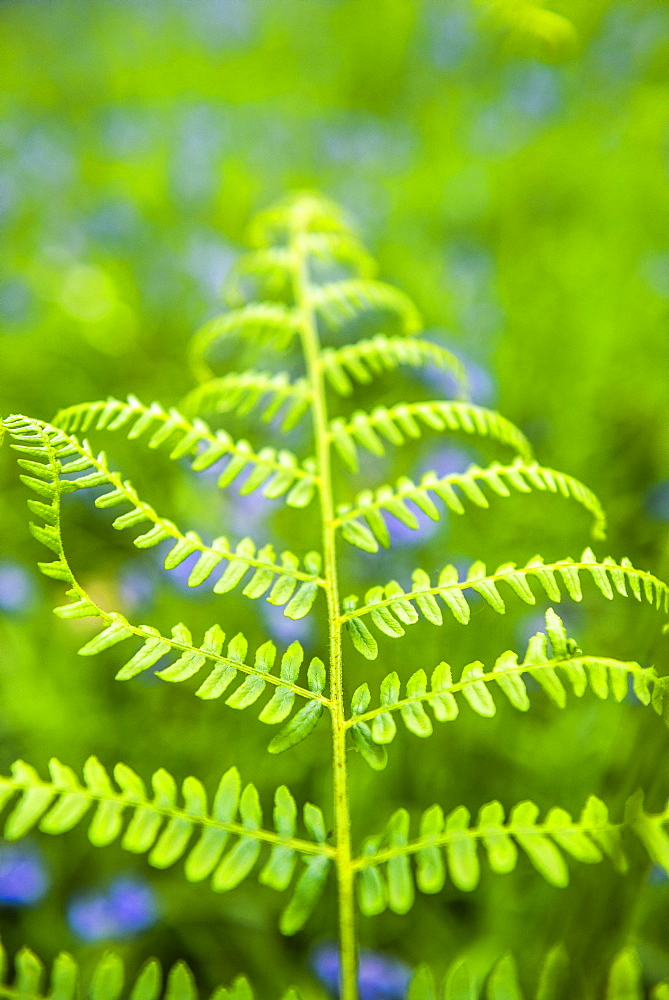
(343, 857)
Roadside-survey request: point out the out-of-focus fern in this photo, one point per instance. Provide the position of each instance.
(532, 26)
(109, 981)
(31, 981)
(305, 287)
(557, 975)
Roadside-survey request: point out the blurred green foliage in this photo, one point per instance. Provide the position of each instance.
(512, 178)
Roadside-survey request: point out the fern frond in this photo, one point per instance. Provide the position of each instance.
(520, 476)
(308, 211)
(226, 668)
(266, 275)
(407, 422)
(51, 444)
(459, 983)
(163, 827)
(340, 303)
(191, 658)
(243, 392)
(368, 359)
(288, 584)
(602, 675)
(625, 980)
(260, 276)
(339, 248)
(108, 981)
(391, 607)
(278, 472)
(532, 23)
(263, 322)
(448, 847)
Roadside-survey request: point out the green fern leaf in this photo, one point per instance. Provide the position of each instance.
(298, 728)
(500, 479)
(533, 26)
(406, 422)
(451, 845)
(279, 576)
(338, 250)
(422, 986)
(265, 322)
(458, 984)
(312, 212)
(278, 472)
(260, 276)
(108, 981)
(607, 575)
(160, 826)
(503, 981)
(367, 359)
(625, 977)
(342, 303)
(624, 980)
(281, 399)
(553, 975)
(267, 274)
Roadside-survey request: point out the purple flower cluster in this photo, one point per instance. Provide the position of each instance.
(23, 877)
(657, 501)
(380, 977)
(657, 876)
(127, 908)
(16, 587)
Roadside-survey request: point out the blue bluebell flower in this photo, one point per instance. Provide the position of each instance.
(402, 534)
(535, 91)
(127, 908)
(452, 38)
(23, 877)
(380, 977)
(16, 300)
(482, 386)
(90, 919)
(657, 500)
(16, 587)
(446, 461)
(286, 630)
(247, 513)
(657, 876)
(137, 586)
(133, 904)
(178, 576)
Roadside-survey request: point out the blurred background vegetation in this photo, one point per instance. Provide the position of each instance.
(508, 166)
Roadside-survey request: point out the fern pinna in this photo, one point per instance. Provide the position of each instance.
(308, 283)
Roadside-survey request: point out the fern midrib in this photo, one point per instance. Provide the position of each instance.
(489, 677)
(516, 830)
(259, 382)
(343, 856)
(168, 812)
(478, 833)
(530, 571)
(244, 668)
(510, 435)
(576, 490)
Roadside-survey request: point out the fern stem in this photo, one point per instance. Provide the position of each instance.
(343, 859)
